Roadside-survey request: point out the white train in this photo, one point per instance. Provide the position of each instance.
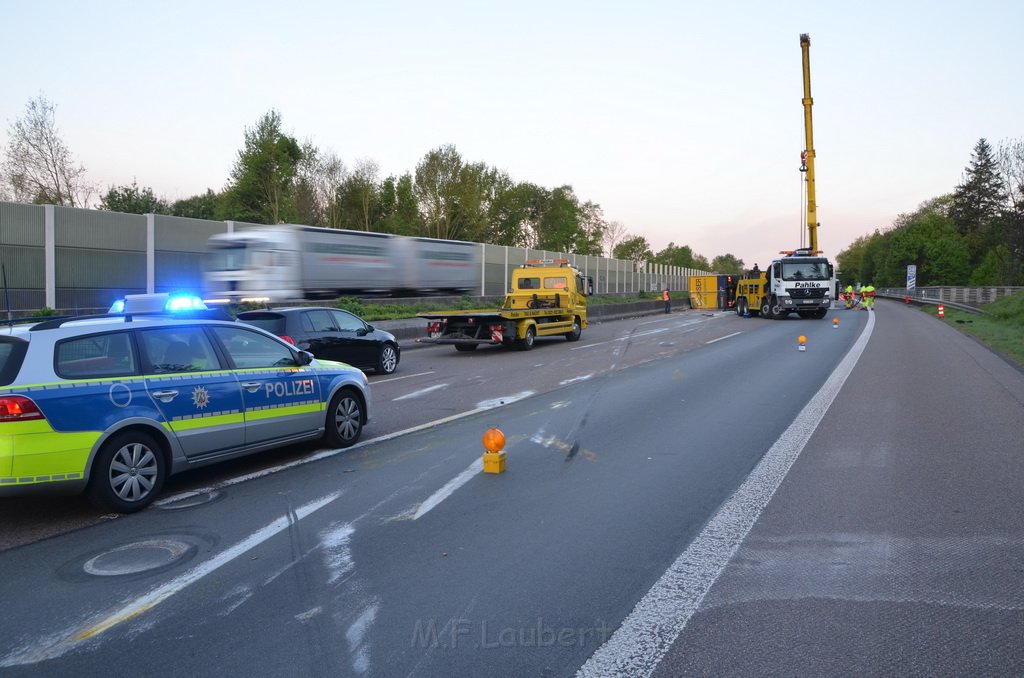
(286, 262)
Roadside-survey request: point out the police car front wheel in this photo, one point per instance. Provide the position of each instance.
(344, 419)
(128, 473)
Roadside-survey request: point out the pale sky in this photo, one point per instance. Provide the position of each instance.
(683, 120)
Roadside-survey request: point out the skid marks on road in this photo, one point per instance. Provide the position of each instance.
(571, 449)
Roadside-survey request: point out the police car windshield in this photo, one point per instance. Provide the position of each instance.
(805, 271)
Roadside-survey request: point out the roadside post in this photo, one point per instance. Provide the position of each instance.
(911, 282)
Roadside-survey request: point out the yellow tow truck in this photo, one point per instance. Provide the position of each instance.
(547, 298)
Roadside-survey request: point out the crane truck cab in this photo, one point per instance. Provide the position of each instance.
(799, 282)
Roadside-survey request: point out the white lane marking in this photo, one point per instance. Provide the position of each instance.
(422, 391)
(566, 382)
(721, 338)
(647, 634)
(643, 334)
(473, 469)
(455, 483)
(356, 637)
(64, 641)
(497, 402)
(404, 376)
(482, 406)
(625, 338)
(334, 542)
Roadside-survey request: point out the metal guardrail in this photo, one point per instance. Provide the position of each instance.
(920, 301)
(967, 299)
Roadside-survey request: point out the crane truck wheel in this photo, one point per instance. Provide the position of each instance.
(741, 306)
(777, 311)
(766, 309)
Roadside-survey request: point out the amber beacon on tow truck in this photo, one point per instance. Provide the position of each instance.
(547, 298)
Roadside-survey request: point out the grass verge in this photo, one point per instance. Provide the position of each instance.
(1001, 327)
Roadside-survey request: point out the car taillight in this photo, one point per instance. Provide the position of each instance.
(18, 408)
(288, 339)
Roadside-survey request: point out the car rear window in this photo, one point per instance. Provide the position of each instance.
(271, 322)
(96, 356)
(12, 353)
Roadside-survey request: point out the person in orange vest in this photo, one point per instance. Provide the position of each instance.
(668, 301)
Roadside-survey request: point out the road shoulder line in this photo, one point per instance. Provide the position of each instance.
(649, 631)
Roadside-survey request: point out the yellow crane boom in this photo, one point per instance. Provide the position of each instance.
(807, 156)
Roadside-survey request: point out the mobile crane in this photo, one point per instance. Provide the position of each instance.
(800, 281)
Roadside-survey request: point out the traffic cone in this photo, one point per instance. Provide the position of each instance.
(942, 311)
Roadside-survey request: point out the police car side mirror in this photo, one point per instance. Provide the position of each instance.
(304, 357)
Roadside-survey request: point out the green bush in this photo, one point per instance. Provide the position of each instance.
(44, 312)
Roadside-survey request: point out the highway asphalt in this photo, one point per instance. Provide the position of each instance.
(888, 542)
(895, 544)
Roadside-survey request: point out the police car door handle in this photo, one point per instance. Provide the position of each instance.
(251, 386)
(165, 396)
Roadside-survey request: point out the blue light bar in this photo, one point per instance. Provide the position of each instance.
(160, 302)
(185, 302)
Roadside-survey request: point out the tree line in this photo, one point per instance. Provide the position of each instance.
(971, 236)
(276, 178)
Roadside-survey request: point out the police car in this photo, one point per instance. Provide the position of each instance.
(114, 404)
